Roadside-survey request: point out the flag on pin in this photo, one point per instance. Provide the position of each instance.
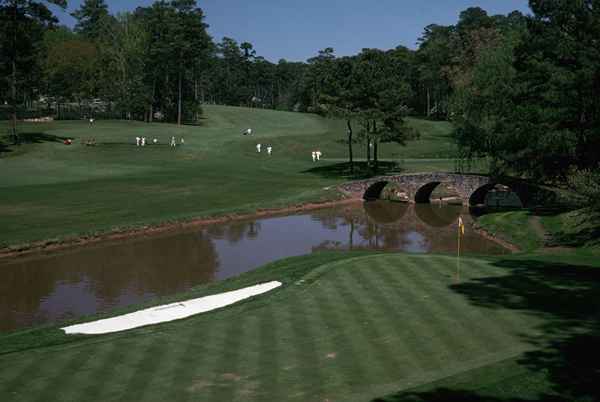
(461, 226)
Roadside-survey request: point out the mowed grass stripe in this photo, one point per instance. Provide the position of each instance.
(185, 376)
(269, 364)
(304, 339)
(399, 298)
(144, 370)
(492, 329)
(247, 387)
(62, 384)
(483, 330)
(420, 326)
(420, 315)
(359, 339)
(402, 333)
(107, 382)
(35, 378)
(224, 372)
(387, 336)
(329, 346)
(449, 315)
(15, 370)
(348, 364)
(381, 358)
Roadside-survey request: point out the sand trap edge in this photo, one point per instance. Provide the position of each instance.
(169, 312)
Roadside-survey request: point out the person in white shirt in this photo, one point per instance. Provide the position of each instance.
(137, 141)
(269, 149)
(258, 147)
(182, 141)
(143, 141)
(314, 156)
(155, 141)
(318, 153)
(173, 141)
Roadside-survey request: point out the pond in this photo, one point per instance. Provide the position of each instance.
(62, 285)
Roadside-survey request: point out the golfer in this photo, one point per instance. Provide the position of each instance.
(269, 150)
(258, 147)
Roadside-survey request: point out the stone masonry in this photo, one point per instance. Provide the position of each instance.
(418, 186)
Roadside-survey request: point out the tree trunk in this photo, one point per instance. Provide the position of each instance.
(13, 84)
(368, 143)
(428, 103)
(196, 98)
(179, 99)
(350, 156)
(375, 147)
(151, 117)
(375, 156)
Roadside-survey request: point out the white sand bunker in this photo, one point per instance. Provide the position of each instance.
(169, 312)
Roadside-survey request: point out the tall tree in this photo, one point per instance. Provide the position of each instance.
(189, 40)
(532, 104)
(385, 93)
(24, 22)
(90, 17)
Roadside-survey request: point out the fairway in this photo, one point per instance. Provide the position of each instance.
(49, 190)
(354, 328)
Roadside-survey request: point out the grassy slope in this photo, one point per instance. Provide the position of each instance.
(514, 227)
(344, 327)
(49, 190)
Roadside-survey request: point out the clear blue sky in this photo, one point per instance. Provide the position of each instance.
(296, 30)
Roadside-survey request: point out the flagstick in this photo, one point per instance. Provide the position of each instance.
(458, 258)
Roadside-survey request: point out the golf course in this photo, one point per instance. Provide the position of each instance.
(345, 326)
(51, 192)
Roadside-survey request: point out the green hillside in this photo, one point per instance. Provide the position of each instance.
(51, 190)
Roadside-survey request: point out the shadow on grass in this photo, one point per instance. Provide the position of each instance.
(582, 230)
(38, 138)
(361, 170)
(7, 145)
(567, 298)
(4, 148)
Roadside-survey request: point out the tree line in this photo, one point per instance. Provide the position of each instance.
(521, 90)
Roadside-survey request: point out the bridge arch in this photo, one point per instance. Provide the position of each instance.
(423, 194)
(373, 192)
(505, 196)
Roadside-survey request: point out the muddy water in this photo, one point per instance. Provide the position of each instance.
(82, 281)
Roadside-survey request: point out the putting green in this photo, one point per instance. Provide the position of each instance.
(353, 329)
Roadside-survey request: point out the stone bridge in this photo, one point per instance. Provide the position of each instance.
(417, 187)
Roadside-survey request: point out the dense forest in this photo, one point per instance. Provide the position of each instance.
(521, 90)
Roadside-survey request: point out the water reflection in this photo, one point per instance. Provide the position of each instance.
(88, 280)
(56, 287)
(438, 215)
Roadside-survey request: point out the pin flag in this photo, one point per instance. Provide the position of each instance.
(461, 232)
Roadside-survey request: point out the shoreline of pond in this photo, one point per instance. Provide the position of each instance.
(142, 231)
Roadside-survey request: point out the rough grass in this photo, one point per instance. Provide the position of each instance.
(49, 190)
(515, 227)
(348, 327)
